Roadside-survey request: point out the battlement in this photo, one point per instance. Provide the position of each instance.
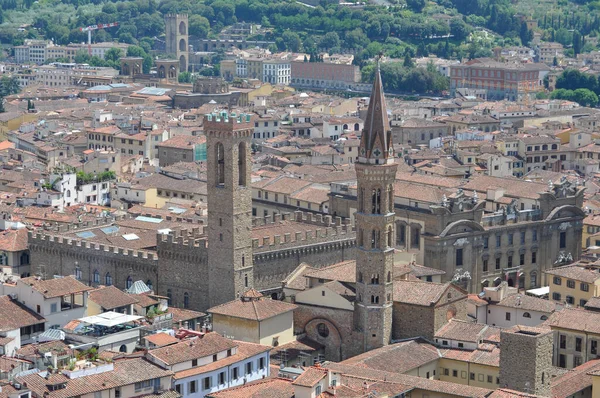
(302, 217)
(99, 222)
(325, 235)
(83, 245)
(185, 237)
(225, 121)
(176, 16)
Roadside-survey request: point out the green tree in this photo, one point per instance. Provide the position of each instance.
(112, 57)
(408, 62)
(291, 41)
(459, 29)
(330, 40)
(198, 26)
(184, 77)
(136, 51)
(416, 5)
(585, 97)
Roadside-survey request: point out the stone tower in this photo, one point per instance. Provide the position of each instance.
(176, 38)
(375, 173)
(526, 359)
(229, 205)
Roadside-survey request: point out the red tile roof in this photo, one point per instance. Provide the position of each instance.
(110, 297)
(399, 357)
(253, 309)
(269, 388)
(14, 315)
(56, 287)
(310, 377)
(126, 372)
(209, 344)
(244, 351)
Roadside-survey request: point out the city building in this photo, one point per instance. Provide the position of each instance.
(574, 284)
(209, 363)
(511, 81)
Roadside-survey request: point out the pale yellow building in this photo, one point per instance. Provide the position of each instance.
(255, 319)
(574, 284)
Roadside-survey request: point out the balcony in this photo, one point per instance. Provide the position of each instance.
(503, 218)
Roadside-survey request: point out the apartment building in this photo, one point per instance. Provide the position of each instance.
(324, 75)
(510, 81)
(63, 74)
(574, 284)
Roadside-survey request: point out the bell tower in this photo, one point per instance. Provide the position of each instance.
(230, 269)
(375, 173)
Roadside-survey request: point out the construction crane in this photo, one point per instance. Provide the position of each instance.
(89, 29)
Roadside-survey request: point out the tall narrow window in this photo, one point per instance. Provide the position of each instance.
(391, 199)
(390, 239)
(186, 300)
(242, 164)
(129, 282)
(220, 156)
(400, 234)
(361, 200)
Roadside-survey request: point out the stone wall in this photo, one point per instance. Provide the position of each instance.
(341, 342)
(57, 255)
(412, 321)
(526, 360)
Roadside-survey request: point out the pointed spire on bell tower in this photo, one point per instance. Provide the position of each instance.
(376, 140)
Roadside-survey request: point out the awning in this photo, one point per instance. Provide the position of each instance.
(539, 292)
(109, 319)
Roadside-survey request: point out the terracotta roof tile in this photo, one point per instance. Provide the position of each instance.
(13, 240)
(110, 297)
(575, 319)
(575, 380)
(182, 314)
(254, 309)
(269, 388)
(56, 287)
(126, 372)
(14, 315)
(419, 293)
(310, 377)
(528, 303)
(244, 351)
(161, 339)
(461, 331)
(209, 344)
(576, 272)
(344, 271)
(401, 357)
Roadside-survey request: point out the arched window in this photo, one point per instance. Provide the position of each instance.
(186, 300)
(96, 276)
(376, 201)
(360, 277)
(220, 157)
(129, 282)
(169, 296)
(123, 348)
(360, 198)
(68, 193)
(245, 280)
(389, 276)
(372, 299)
(149, 284)
(400, 234)
(242, 172)
(376, 299)
(108, 281)
(543, 318)
(374, 239)
(526, 315)
(390, 237)
(375, 279)
(360, 238)
(78, 273)
(415, 237)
